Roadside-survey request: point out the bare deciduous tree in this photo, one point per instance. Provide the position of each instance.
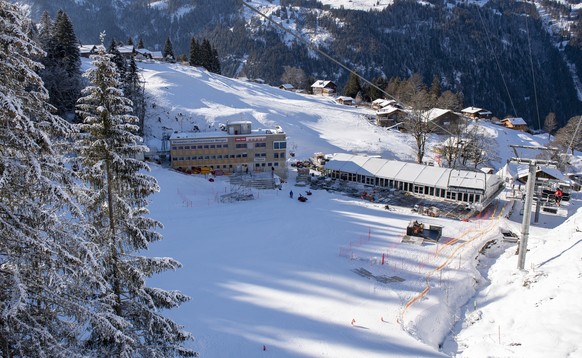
(294, 76)
(550, 123)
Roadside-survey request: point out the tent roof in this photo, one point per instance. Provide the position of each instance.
(410, 172)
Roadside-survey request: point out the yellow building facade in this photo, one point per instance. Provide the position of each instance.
(237, 148)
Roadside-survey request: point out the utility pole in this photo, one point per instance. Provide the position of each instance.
(529, 194)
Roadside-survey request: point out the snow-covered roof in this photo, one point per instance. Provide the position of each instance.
(86, 48)
(321, 84)
(523, 171)
(434, 113)
(380, 102)
(472, 110)
(286, 86)
(126, 49)
(388, 110)
(411, 172)
(345, 98)
(516, 121)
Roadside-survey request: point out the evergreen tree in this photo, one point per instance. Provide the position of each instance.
(130, 41)
(116, 205)
(133, 89)
(117, 59)
(195, 53)
(353, 86)
(206, 55)
(46, 269)
(215, 64)
(62, 73)
(44, 30)
(140, 43)
(168, 52)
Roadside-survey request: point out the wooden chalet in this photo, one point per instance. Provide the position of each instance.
(389, 116)
(324, 88)
(476, 113)
(348, 101)
(442, 121)
(516, 123)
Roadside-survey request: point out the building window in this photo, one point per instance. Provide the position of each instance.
(260, 145)
(232, 155)
(244, 155)
(241, 146)
(279, 145)
(212, 146)
(174, 148)
(276, 164)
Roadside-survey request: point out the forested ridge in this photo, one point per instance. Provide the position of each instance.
(499, 55)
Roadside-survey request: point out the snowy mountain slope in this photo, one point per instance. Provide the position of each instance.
(182, 97)
(280, 274)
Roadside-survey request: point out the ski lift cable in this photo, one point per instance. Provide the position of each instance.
(314, 48)
(496, 61)
(533, 76)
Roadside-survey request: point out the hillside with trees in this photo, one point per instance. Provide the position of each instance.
(499, 55)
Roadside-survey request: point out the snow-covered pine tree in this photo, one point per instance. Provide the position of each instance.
(44, 30)
(117, 59)
(47, 271)
(168, 52)
(116, 204)
(133, 89)
(62, 73)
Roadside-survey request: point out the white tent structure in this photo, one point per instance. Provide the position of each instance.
(472, 187)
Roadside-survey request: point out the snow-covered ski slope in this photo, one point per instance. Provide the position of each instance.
(293, 276)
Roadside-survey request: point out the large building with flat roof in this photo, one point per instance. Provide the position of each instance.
(474, 188)
(237, 148)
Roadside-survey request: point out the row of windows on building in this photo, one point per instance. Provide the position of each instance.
(276, 145)
(468, 195)
(231, 166)
(229, 156)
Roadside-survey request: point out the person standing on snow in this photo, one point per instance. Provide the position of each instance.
(291, 194)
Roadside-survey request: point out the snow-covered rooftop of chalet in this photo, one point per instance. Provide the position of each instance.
(516, 121)
(472, 110)
(383, 102)
(321, 84)
(411, 172)
(388, 110)
(86, 48)
(523, 171)
(434, 113)
(126, 49)
(345, 98)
